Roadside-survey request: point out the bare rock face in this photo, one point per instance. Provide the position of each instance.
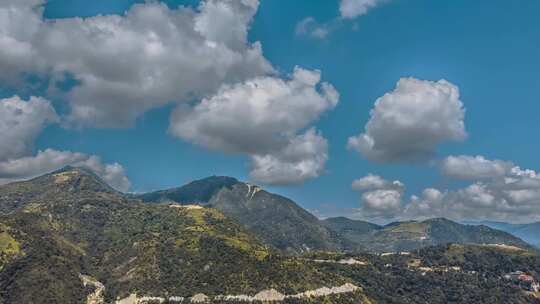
(269, 295)
(95, 297)
(325, 291)
(199, 298)
(131, 299)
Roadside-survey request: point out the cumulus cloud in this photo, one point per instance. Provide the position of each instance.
(381, 203)
(374, 182)
(474, 167)
(479, 201)
(512, 195)
(500, 189)
(50, 160)
(21, 122)
(263, 118)
(19, 21)
(427, 205)
(380, 198)
(153, 55)
(127, 64)
(304, 157)
(409, 123)
(351, 9)
(256, 115)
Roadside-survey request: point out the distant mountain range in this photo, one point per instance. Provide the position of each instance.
(282, 223)
(411, 235)
(275, 219)
(67, 237)
(527, 232)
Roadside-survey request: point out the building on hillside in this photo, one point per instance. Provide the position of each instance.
(535, 287)
(523, 280)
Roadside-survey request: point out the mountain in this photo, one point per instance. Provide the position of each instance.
(66, 182)
(199, 191)
(276, 220)
(283, 224)
(67, 237)
(410, 235)
(530, 233)
(351, 230)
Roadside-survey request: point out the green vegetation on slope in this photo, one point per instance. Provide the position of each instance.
(68, 223)
(451, 273)
(274, 219)
(410, 235)
(9, 247)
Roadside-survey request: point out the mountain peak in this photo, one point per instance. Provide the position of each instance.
(218, 179)
(74, 170)
(77, 178)
(439, 220)
(198, 191)
(65, 185)
(275, 219)
(339, 219)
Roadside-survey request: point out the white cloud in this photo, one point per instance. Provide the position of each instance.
(19, 21)
(428, 205)
(374, 182)
(21, 122)
(506, 191)
(478, 201)
(310, 27)
(255, 116)
(50, 160)
(304, 157)
(381, 203)
(409, 123)
(351, 9)
(474, 167)
(153, 55)
(497, 192)
(226, 22)
(380, 198)
(262, 118)
(128, 64)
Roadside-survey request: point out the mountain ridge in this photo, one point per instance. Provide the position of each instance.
(529, 232)
(276, 219)
(411, 235)
(66, 228)
(282, 223)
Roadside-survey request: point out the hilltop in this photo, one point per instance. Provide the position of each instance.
(275, 219)
(527, 232)
(410, 235)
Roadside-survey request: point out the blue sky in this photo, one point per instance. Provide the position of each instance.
(488, 49)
